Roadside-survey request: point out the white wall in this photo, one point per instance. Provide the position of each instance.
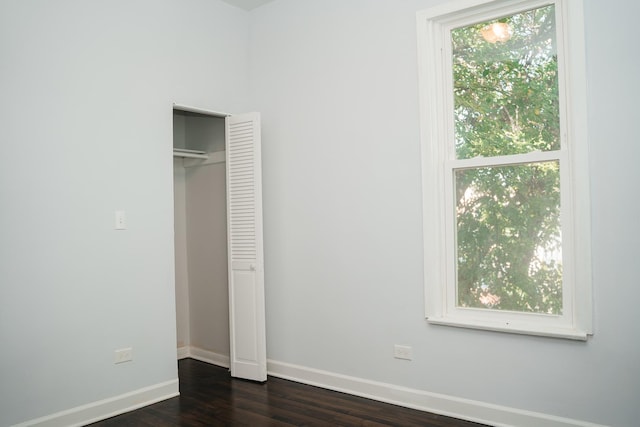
(202, 297)
(336, 82)
(207, 258)
(85, 122)
(85, 125)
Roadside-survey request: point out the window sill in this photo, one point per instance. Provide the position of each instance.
(521, 328)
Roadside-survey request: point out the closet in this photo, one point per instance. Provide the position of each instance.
(218, 240)
(202, 298)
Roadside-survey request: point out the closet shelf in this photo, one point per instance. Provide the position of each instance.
(190, 154)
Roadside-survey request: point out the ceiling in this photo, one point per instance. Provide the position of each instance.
(247, 4)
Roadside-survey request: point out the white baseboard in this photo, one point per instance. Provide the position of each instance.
(208, 356)
(117, 405)
(465, 409)
(184, 352)
(107, 408)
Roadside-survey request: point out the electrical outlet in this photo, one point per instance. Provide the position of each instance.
(123, 355)
(402, 352)
(121, 220)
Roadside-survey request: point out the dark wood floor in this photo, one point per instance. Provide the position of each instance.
(210, 397)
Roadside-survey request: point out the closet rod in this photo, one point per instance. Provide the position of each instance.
(190, 155)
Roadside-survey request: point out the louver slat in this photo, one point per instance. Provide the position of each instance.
(242, 191)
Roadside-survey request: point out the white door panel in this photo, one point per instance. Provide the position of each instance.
(246, 259)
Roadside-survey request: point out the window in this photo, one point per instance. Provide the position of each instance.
(505, 171)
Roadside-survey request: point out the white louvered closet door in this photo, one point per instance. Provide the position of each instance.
(248, 358)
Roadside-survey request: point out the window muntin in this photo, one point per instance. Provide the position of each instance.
(551, 149)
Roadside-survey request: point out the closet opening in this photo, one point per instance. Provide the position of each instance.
(200, 230)
(219, 257)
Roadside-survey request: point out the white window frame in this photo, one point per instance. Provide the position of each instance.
(436, 121)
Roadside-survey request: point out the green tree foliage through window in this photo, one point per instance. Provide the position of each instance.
(508, 235)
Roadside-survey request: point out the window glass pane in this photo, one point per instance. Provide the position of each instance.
(509, 253)
(505, 75)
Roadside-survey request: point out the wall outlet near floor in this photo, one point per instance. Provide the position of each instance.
(123, 355)
(121, 220)
(402, 352)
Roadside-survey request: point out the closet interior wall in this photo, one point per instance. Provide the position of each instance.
(202, 302)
